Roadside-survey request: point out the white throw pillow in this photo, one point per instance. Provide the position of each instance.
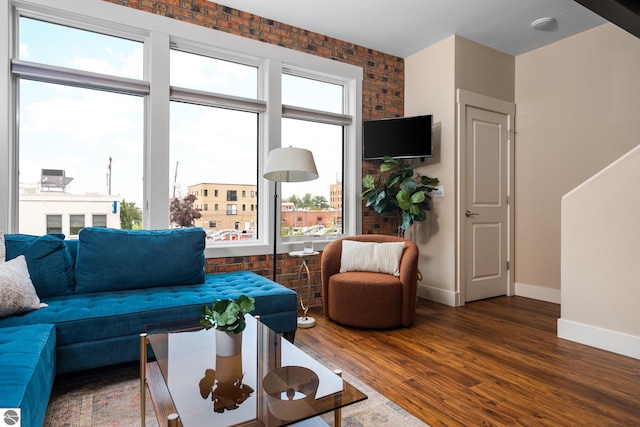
(371, 256)
(2, 249)
(17, 293)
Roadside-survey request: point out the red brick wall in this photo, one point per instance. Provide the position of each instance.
(382, 97)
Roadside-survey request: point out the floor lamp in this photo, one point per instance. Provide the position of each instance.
(287, 164)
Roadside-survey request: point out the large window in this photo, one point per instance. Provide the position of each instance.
(214, 145)
(214, 138)
(112, 108)
(326, 141)
(76, 142)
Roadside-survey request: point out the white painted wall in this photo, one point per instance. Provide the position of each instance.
(34, 209)
(600, 254)
(432, 77)
(576, 112)
(430, 89)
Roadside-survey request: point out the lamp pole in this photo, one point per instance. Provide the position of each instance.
(275, 227)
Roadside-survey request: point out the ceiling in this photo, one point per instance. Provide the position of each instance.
(404, 27)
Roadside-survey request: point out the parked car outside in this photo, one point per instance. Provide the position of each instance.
(229, 234)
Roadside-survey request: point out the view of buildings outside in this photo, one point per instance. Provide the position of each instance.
(97, 138)
(229, 212)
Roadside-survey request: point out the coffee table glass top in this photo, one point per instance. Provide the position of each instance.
(270, 382)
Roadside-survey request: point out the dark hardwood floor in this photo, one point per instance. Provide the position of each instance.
(492, 362)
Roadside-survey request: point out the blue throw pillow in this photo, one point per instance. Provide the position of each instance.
(113, 260)
(48, 259)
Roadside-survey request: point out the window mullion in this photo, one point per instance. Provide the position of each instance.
(271, 91)
(156, 163)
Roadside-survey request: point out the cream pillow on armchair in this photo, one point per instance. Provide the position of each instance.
(371, 256)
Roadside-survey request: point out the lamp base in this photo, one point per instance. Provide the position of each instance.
(309, 322)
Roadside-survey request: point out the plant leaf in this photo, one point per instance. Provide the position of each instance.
(409, 185)
(406, 220)
(368, 182)
(417, 197)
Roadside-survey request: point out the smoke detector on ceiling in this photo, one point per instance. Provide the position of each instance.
(545, 24)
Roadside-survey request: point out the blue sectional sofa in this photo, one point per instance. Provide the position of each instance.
(102, 291)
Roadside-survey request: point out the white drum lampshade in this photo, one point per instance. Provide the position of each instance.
(290, 164)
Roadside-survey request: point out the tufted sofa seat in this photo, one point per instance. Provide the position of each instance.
(87, 323)
(102, 291)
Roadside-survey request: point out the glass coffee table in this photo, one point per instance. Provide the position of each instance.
(269, 383)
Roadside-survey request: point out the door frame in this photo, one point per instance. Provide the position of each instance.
(466, 99)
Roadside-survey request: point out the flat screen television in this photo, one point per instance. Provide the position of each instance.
(403, 138)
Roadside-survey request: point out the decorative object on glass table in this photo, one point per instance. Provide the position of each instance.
(290, 391)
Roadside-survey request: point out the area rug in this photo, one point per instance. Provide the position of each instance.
(111, 399)
(377, 410)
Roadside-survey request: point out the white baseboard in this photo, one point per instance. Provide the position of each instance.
(529, 291)
(438, 295)
(538, 292)
(615, 342)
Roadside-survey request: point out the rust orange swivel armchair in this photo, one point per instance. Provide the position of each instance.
(364, 298)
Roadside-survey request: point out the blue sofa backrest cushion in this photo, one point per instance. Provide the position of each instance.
(115, 260)
(48, 259)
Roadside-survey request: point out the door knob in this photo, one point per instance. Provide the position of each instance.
(469, 213)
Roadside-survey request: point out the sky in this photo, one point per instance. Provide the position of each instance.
(83, 131)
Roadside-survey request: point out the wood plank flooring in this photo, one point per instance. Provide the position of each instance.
(490, 363)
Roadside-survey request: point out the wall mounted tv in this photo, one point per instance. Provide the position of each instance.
(403, 138)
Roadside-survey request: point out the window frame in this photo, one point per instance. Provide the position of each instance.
(159, 34)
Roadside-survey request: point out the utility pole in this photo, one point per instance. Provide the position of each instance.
(175, 179)
(109, 175)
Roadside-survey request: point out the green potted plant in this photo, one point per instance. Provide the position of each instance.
(399, 189)
(228, 317)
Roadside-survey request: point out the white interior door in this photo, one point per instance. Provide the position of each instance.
(485, 213)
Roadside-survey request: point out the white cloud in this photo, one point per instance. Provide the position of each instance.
(24, 51)
(203, 73)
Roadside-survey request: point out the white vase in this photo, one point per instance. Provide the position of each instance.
(228, 343)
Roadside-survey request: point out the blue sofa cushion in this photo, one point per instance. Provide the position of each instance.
(48, 259)
(73, 250)
(113, 260)
(27, 360)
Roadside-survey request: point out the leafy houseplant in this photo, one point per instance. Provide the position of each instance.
(227, 315)
(399, 188)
